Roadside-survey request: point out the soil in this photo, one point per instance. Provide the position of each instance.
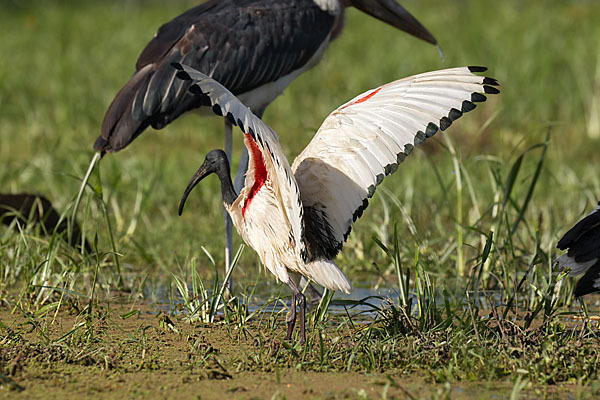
(146, 354)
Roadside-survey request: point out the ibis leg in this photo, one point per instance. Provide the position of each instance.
(291, 318)
(297, 298)
(228, 223)
(302, 305)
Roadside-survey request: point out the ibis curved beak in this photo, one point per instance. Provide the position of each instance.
(202, 173)
(390, 12)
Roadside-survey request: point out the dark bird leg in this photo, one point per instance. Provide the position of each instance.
(86, 178)
(228, 223)
(297, 298)
(240, 175)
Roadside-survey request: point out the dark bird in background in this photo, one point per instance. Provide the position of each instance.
(255, 48)
(583, 255)
(36, 209)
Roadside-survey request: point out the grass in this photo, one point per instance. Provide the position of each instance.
(465, 231)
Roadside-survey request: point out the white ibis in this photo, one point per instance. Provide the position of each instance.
(297, 218)
(583, 255)
(255, 48)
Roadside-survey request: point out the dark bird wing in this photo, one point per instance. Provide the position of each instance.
(243, 44)
(583, 255)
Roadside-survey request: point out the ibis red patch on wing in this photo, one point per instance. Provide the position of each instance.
(364, 98)
(257, 167)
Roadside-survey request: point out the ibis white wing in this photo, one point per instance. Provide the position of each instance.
(265, 139)
(365, 139)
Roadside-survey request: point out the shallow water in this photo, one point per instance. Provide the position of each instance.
(362, 305)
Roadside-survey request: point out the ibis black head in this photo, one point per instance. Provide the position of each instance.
(390, 12)
(215, 162)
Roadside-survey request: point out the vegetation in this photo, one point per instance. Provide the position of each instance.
(463, 235)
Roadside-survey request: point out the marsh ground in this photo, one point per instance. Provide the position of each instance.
(149, 355)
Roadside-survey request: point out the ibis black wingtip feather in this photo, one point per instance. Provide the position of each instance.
(467, 106)
(181, 72)
(476, 68)
(478, 98)
(490, 81)
(489, 84)
(490, 89)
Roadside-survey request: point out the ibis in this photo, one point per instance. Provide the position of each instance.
(255, 48)
(583, 255)
(298, 217)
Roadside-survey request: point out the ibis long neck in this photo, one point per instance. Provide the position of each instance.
(227, 190)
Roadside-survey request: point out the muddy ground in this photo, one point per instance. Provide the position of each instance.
(117, 353)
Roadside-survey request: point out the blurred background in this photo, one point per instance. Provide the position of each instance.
(524, 163)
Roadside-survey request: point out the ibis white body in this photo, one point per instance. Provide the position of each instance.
(265, 224)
